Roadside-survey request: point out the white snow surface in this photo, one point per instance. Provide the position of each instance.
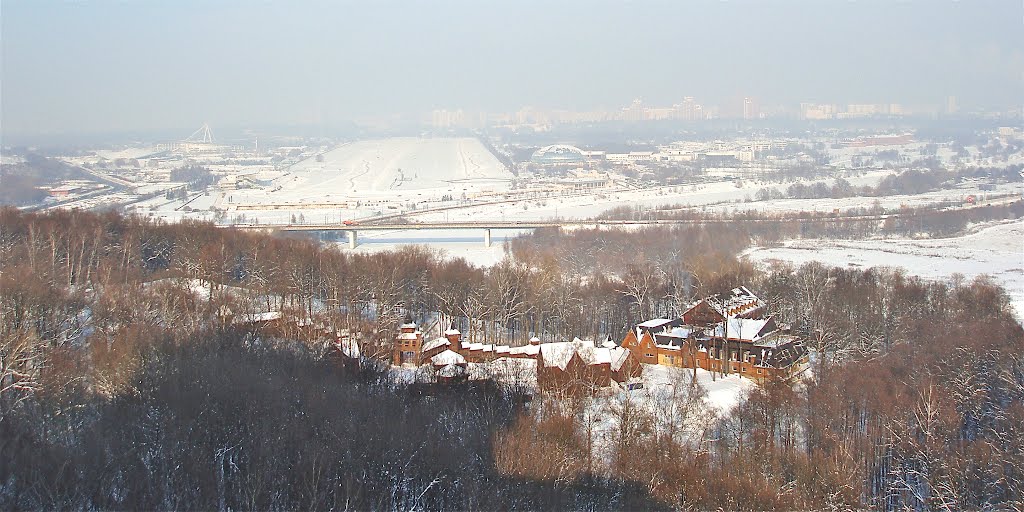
(519, 372)
(448, 357)
(385, 167)
(994, 249)
(723, 392)
(431, 345)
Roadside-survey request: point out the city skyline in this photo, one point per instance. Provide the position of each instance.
(102, 67)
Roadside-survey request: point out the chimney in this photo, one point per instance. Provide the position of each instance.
(454, 337)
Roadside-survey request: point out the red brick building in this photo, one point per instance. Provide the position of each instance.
(408, 345)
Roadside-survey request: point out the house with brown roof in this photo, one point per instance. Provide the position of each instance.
(729, 333)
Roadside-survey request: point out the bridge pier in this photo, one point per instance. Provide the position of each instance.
(352, 239)
(487, 238)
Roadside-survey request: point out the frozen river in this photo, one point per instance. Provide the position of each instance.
(994, 249)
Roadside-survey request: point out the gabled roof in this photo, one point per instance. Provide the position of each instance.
(559, 354)
(782, 356)
(447, 357)
(647, 335)
(630, 338)
(676, 336)
(432, 344)
(739, 301)
(745, 329)
(618, 356)
(654, 323)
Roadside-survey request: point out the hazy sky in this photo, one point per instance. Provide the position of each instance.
(87, 67)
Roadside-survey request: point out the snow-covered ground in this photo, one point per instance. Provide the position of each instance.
(591, 205)
(127, 153)
(403, 165)
(664, 397)
(464, 244)
(723, 392)
(355, 180)
(995, 249)
(715, 196)
(469, 244)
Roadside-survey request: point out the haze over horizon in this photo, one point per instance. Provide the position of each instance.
(101, 66)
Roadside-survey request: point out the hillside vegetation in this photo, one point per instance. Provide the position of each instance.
(129, 383)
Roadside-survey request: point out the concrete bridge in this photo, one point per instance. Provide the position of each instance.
(486, 227)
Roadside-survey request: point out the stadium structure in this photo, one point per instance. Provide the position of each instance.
(558, 154)
(200, 142)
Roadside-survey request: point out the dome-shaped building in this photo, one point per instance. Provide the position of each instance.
(558, 154)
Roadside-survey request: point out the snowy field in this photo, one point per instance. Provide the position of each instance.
(591, 205)
(723, 196)
(355, 180)
(995, 249)
(469, 244)
(405, 166)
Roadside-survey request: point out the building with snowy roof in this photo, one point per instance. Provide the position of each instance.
(562, 366)
(730, 333)
(408, 345)
(580, 365)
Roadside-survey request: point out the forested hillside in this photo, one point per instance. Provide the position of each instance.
(128, 381)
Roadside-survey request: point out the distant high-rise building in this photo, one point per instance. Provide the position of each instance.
(634, 112)
(688, 110)
(448, 119)
(951, 106)
(861, 110)
(814, 111)
(750, 110)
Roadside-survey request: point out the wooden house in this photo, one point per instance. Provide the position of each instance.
(729, 333)
(580, 366)
(643, 348)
